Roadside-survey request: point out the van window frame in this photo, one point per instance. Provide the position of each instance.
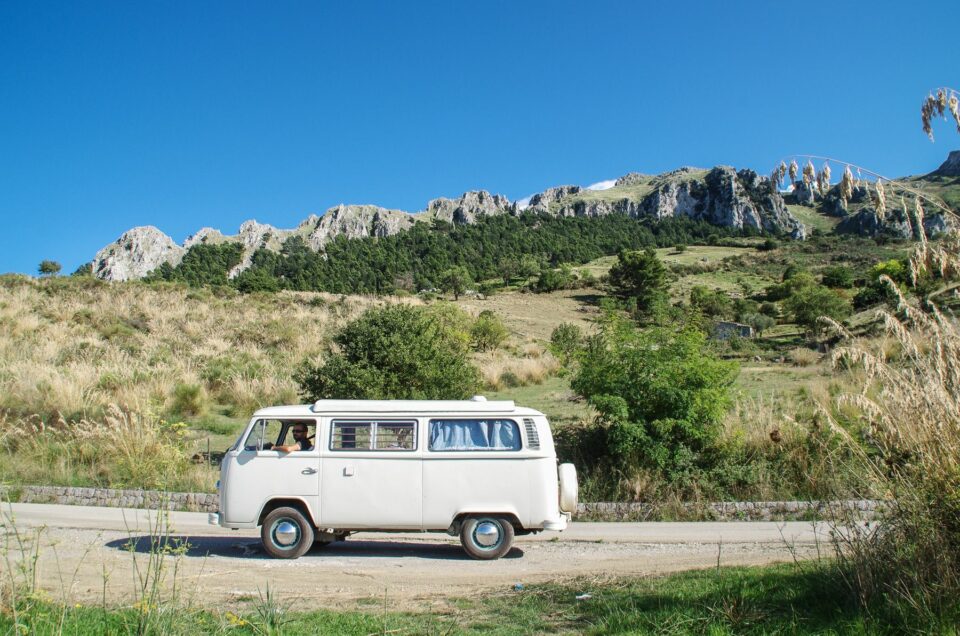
(432, 420)
(373, 422)
(286, 423)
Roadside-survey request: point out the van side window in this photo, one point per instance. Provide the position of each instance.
(474, 434)
(263, 435)
(373, 435)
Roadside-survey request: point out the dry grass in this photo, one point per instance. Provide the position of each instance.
(68, 349)
(907, 413)
(803, 357)
(503, 370)
(86, 366)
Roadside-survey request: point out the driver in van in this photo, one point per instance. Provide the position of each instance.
(300, 440)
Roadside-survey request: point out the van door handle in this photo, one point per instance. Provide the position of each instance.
(308, 471)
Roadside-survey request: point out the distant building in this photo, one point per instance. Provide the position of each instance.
(724, 330)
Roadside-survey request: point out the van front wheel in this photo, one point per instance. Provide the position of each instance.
(486, 537)
(286, 533)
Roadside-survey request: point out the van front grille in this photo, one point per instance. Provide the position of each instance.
(533, 438)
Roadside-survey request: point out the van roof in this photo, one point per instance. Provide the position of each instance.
(398, 406)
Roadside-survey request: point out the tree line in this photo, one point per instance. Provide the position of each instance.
(417, 259)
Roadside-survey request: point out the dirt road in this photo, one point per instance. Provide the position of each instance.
(86, 553)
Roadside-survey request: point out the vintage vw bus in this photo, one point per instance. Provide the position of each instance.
(482, 470)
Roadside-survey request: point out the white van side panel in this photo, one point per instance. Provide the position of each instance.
(253, 478)
(454, 483)
(371, 490)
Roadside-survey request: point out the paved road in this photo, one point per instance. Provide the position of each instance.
(86, 549)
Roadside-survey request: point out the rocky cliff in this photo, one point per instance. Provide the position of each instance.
(950, 167)
(721, 196)
(469, 207)
(135, 254)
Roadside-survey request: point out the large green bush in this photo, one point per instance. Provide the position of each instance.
(661, 395)
(394, 352)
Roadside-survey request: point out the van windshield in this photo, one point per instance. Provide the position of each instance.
(473, 434)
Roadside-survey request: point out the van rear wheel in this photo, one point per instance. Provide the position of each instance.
(486, 537)
(286, 533)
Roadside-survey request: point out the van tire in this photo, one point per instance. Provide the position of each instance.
(275, 536)
(476, 530)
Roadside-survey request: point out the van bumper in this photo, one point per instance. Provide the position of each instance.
(559, 524)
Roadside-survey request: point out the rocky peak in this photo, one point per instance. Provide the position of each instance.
(541, 202)
(631, 178)
(467, 207)
(950, 167)
(203, 235)
(135, 254)
(354, 221)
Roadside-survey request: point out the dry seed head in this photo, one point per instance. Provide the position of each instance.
(954, 110)
(926, 114)
(794, 169)
(809, 173)
(846, 186)
(941, 101)
(782, 171)
(880, 200)
(918, 212)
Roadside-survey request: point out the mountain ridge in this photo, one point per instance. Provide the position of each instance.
(721, 195)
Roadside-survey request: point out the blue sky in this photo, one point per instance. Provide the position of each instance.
(190, 114)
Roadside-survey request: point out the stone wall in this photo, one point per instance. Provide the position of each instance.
(719, 511)
(731, 511)
(191, 502)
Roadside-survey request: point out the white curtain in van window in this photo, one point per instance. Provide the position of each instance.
(474, 435)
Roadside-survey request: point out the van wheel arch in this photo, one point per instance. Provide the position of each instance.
(457, 523)
(297, 504)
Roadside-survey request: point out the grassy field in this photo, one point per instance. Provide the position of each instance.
(162, 374)
(794, 599)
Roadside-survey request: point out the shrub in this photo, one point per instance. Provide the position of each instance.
(711, 303)
(556, 279)
(838, 276)
(807, 304)
(565, 340)
(188, 400)
(394, 352)
(660, 394)
(488, 331)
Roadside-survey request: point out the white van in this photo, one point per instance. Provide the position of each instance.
(483, 470)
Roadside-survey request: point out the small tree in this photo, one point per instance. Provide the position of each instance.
(639, 275)
(808, 303)
(488, 331)
(759, 322)
(455, 281)
(508, 269)
(565, 340)
(49, 268)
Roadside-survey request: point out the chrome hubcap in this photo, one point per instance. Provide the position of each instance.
(285, 533)
(487, 534)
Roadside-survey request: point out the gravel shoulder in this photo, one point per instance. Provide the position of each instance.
(87, 553)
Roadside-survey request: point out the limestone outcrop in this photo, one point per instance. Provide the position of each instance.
(135, 254)
(468, 207)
